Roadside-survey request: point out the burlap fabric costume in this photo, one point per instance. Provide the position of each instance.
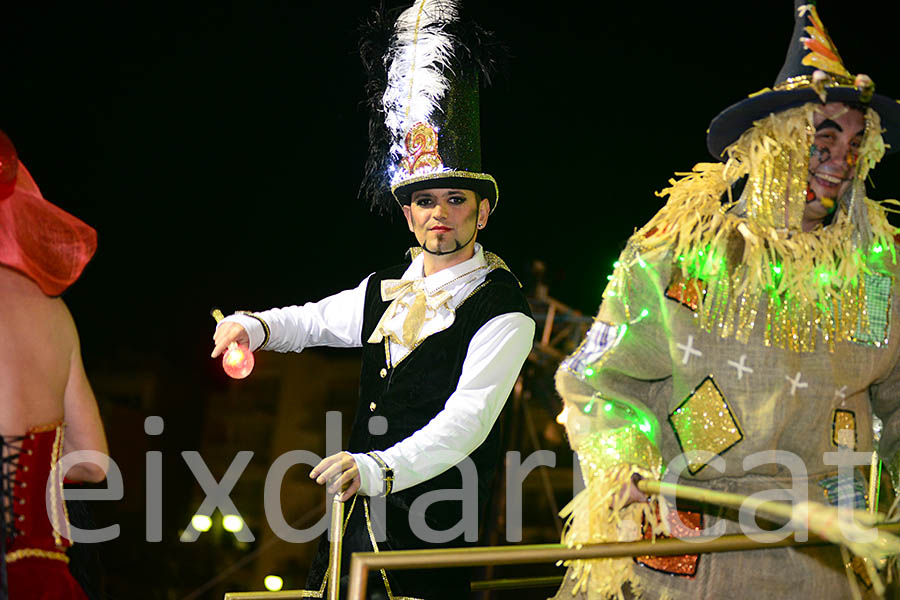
(751, 348)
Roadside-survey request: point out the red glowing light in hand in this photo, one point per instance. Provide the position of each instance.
(237, 361)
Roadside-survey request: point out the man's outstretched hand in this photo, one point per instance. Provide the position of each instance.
(340, 473)
(226, 334)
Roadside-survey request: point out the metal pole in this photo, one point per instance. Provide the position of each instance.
(362, 562)
(517, 583)
(359, 577)
(334, 558)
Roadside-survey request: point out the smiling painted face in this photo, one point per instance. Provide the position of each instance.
(833, 156)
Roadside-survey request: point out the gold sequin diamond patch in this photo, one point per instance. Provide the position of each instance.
(705, 423)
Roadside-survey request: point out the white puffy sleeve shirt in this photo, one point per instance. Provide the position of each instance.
(495, 356)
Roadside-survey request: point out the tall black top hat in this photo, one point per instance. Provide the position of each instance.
(812, 71)
(424, 129)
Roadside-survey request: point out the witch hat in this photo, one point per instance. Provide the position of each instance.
(813, 72)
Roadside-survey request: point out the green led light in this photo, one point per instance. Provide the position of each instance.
(611, 294)
(609, 277)
(878, 249)
(589, 372)
(645, 427)
(642, 263)
(645, 312)
(776, 269)
(616, 265)
(608, 406)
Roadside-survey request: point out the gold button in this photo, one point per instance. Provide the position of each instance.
(372, 406)
(383, 373)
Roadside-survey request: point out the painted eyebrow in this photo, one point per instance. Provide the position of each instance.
(418, 195)
(829, 123)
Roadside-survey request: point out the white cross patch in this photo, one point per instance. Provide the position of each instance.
(741, 368)
(796, 383)
(688, 350)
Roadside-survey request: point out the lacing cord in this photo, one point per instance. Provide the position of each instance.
(10, 449)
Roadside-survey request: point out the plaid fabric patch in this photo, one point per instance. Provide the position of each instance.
(601, 338)
(850, 488)
(878, 308)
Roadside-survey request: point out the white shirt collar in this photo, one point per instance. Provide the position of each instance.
(416, 270)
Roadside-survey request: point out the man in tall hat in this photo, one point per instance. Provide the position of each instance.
(443, 336)
(745, 340)
(47, 408)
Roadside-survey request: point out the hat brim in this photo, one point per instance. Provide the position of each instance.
(42, 241)
(481, 183)
(729, 124)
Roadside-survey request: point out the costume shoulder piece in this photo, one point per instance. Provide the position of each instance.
(746, 257)
(493, 261)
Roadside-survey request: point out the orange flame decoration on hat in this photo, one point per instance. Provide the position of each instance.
(822, 52)
(421, 150)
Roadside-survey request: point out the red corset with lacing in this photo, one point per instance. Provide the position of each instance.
(37, 525)
(38, 511)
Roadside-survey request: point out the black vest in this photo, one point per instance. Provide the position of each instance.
(416, 389)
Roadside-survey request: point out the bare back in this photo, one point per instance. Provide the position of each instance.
(37, 341)
(42, 379)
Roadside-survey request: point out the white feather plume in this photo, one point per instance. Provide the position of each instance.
(419, 53)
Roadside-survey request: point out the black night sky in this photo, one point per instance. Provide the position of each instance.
(217, 147)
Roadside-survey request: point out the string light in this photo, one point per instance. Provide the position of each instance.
(232, 523)
(201, 522)
(273, 583)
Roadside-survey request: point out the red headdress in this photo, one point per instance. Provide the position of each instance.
(40, 240)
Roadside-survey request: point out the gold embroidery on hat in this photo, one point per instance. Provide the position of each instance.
(422, 150)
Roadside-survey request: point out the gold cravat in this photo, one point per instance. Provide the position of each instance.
(417, 310)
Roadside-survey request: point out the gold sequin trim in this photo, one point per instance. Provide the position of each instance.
(55, 488)
(45, 428)
(36, 553)
(750, 251)
(262, 322)
(447, 175)
(321, 592)
(843, 420)
(805, 81)
(387, 586)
